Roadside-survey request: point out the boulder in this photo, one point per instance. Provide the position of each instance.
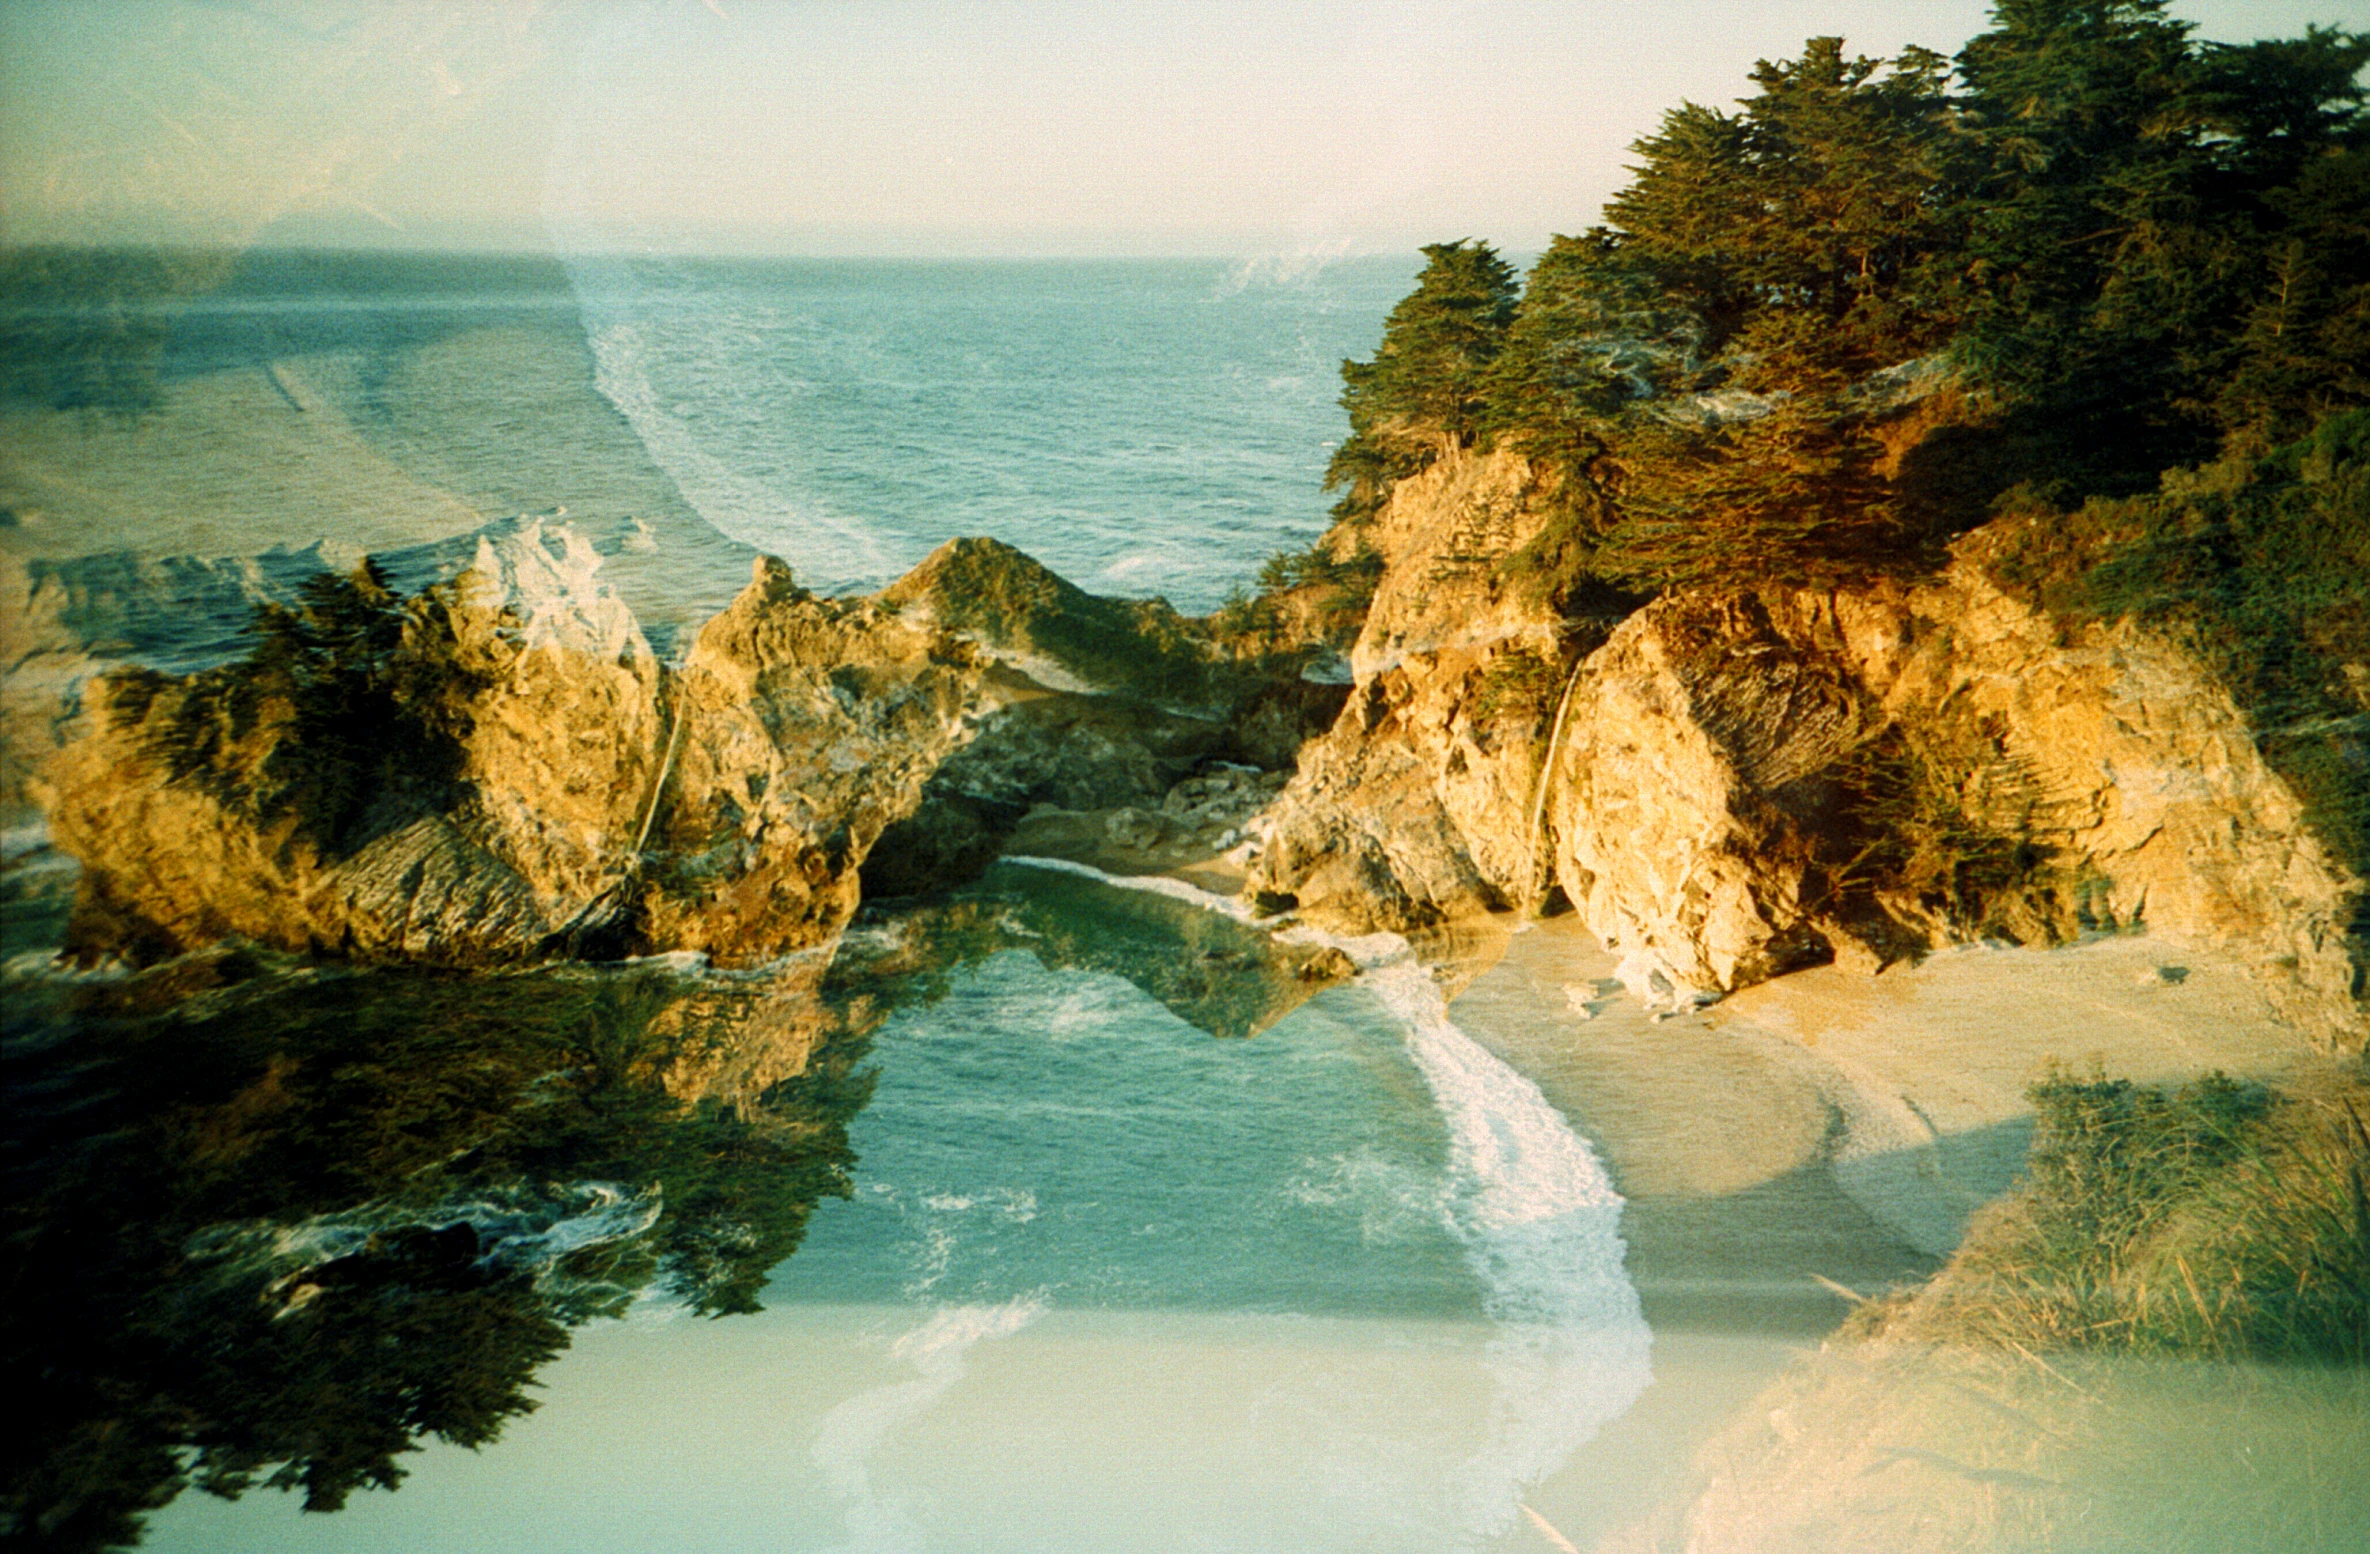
(803, 728)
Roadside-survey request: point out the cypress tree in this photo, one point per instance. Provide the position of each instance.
(1422, 392)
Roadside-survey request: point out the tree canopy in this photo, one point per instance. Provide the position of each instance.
(1823, 332)
(1423, 392)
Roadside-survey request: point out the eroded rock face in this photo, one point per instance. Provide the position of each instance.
(1704, 810)
(1744, 781)
(595, 801)
(1415, 806)
(556, 700)
(806, 727)
(1687, 800)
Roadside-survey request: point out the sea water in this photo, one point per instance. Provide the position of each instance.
(1146, 427)
(1105, 1282)
(1142, 427)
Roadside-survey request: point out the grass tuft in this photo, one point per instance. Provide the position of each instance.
(2219, 1220)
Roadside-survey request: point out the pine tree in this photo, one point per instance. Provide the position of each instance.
(1422, 392)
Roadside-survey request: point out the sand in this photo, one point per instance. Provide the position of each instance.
(1831, 1132)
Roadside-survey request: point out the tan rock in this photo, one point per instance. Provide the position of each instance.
(1414, 808)
(1710, 808)
(806, 727)
(556, 709)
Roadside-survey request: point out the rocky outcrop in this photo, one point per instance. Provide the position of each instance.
(595, 798)
(556, 698)
(1415, 807)
(1721, 805)
(1742, 782)
(1100, 724)
(63, 623)
(804, 727)
(557, 790)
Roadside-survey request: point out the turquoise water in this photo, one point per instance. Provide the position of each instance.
(1140, 426)
(1100, 1280)
(1349, 1284)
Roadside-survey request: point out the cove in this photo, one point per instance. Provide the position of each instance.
(1104, 1281)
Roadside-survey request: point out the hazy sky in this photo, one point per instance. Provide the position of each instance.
(1300, 128)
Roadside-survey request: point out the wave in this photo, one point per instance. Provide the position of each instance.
(1539, 1219)
(833, 555)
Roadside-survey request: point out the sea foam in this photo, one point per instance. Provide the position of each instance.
(1527, 1197)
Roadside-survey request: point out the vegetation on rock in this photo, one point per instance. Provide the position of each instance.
(343, 716)
(1423, 393)
(2218, 1219)
(1818, 336)
(2260, 565)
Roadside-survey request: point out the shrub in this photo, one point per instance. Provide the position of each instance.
(347, 712)
(2219, 1220)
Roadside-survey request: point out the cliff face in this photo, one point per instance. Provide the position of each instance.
(1724, 785)
(1743, 782)
(1712, 809)
(1415, 806)
(805, 727)
(594, 795)
(596, 801)
(557, 694)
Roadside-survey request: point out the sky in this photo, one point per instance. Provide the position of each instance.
(1290, 130)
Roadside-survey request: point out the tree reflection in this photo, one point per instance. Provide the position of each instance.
(269, 1224)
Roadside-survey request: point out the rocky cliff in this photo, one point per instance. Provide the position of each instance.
(1724, 784)
(802, 728)
(553, 717)
(1749, 780)
(1729, 784)
(1415, 806)
(512, 773)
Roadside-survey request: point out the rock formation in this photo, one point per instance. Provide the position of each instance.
(1709, 800)
(595, 801)
(1414, 808)
(1741, 782)
(557, 698)
(1723, 784)
(803, 727)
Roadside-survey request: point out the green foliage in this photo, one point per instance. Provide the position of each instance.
(343, 714)
(1818, 201)
(2218, 1220)
(1305, 597)
(1519, 688)
(2128, 226)
(276, 1227)
(2109, 1157)
(2261, 566)
(1423, 391)
(2303, 351)
(2109, 248)
(986, 587)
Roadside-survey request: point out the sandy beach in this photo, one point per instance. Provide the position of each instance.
(1828, 1129)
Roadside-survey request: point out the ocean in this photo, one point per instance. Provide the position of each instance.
(1100, 1280)
(1142, 427)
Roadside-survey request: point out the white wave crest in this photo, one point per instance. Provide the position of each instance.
(828, 552)
(1539, 1219)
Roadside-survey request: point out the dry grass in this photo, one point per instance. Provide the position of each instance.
(2220, 1220)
